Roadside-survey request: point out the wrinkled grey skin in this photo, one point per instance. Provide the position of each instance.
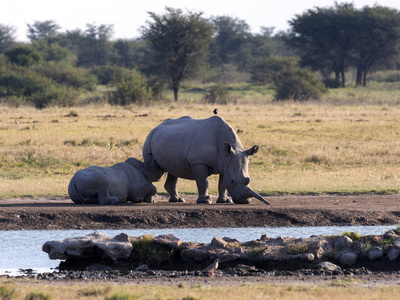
(196, 148)
(126, 181)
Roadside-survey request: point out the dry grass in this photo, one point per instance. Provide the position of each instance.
(304, 147)
(329, 290)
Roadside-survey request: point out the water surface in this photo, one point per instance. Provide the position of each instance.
(23, 249)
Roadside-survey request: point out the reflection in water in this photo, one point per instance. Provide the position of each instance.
(23, 249)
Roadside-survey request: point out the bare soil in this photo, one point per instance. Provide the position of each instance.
(45, 213)
(323, 210)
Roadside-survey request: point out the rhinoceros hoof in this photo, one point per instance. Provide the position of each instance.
(176, 199)
(222, 200)
(112, 200)
(149, 200)
(204, 200)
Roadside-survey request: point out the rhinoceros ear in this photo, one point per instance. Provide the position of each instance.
(228, 148)
(253, 150)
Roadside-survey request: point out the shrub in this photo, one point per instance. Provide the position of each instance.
(108, 73)
(54, 95)
(217, 94)
(130, 88)
(291, 82)
(23, 55)
(66, 74)
(300, 85)
(22, 82)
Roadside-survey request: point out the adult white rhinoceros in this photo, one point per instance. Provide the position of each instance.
(126, 181)
(196, 148)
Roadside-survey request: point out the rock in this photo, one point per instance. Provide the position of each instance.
(142, 268)
(342, 242)
(327, 266)
(375, 253)
(218, 242)
(348, 259)
(307, 257)
(228, 257)
(98, 267)
(194, 255)
(168, 239)
(303, 257)
(246, 268)
(319, 252)
(393, 254)
(264, 237)
(89, 246)
(390, 235)
(230, 240)
(397, 242)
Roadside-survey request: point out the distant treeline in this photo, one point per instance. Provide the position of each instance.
(56, 66)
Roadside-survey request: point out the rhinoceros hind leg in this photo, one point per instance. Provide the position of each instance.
(204, 200)
(224, 200)
(105, 198)
(170, 186)
(176, 199)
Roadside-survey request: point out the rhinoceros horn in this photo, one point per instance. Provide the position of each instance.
(252, 193)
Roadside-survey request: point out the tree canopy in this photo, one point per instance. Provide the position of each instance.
(335, 38)
(180, 42)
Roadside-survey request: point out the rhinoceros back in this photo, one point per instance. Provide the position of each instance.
(176, 144)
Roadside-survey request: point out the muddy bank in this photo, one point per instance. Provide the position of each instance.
(50, 213)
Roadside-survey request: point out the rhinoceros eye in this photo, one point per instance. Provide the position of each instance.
(232, 182)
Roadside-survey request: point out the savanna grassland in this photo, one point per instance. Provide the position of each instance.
(337, 289)
(346, 143)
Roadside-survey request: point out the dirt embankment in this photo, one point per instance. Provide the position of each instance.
(321, 210)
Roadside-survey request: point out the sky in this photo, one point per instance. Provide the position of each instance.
(127, 16)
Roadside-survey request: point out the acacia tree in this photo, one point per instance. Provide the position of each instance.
(339, 37)
(378, 39)
(230, 35)
(42, 29)
(180, 43)
(322, 36)
(95, 46)
(7, 37)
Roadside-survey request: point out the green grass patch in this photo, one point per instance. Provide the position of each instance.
(298, 248)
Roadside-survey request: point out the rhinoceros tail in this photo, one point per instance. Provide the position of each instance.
(73, 193)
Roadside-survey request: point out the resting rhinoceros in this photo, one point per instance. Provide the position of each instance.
(126, 181)
(196, 148)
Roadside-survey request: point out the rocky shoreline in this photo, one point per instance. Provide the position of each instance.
(241, 271)
(151, 256)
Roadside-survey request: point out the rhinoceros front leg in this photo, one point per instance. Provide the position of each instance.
(222, 195)
(105, 198)
(200, 174)
(170, 186)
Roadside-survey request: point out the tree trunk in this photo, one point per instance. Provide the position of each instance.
(176, 91)
(358, 75)
(337, 78)
(365, 77)
(343, 78)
